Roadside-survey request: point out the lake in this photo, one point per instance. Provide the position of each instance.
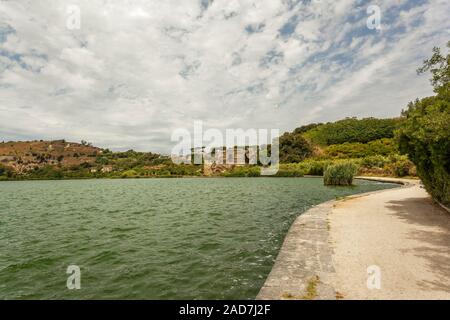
(186, 238)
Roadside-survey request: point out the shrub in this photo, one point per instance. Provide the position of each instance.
(340, 174)
(290, 170)
(294, 148)
(6, 172)
(129, 174)
(253, 172)
(401, 169)
(47, 172)
(243, 172)
(357, 150)
(425, 134)
(102, 160)
(377, 161)
(314, 167)
(400, 166)
(288, 173)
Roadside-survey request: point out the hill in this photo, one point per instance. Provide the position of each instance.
(351, 130)
(309, 149)
(23, 156)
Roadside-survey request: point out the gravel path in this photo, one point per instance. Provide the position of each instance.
(401, 236)
(389, 244)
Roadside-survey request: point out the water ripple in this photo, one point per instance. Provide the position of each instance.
(149, 238)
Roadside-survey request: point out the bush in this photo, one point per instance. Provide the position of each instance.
(401, 169)
(425, 138)
(425, 134)
(377, 161)
(5, 172)
(400, 166)
(294, 148)
(47, 172)
(314, 167)
(129, 174)
(357, 150)
(340, 174)
(288, 173)
(290, 170)
(243, 172)
(253, 172)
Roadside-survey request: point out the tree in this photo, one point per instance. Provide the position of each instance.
(352, 130)
(425, 134)
(294, 148)
(306, 128)
(439, 66)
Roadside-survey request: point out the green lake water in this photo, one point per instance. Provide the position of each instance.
(189, 238)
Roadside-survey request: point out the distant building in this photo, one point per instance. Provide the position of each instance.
(106, 169)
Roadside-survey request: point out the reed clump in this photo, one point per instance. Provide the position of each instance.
(340, 174)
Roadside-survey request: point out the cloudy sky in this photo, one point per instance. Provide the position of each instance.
(136, 70)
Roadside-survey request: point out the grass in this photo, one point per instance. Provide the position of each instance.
(310, 292)
(311, 289)
(339, 296)
(287, 295)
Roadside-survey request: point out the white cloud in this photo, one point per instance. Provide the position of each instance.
(136, 69)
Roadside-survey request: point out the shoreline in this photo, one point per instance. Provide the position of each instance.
(380, 179)
(304, 266)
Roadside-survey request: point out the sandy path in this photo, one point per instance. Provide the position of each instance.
(403, 233)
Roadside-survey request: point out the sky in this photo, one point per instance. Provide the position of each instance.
(127, 73)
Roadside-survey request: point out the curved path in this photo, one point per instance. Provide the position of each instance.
(399, 234)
